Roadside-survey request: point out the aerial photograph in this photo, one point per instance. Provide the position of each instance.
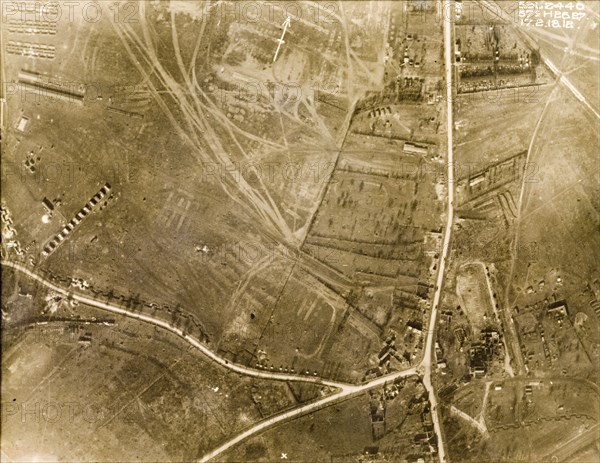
(346, 231)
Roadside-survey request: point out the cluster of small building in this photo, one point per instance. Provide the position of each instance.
(425, 441)
(422, 446)
(418, 420)
(558, 308)
(75, 221)
(378, 424)
(264, 363)
(31, 26)
(415, 327)
(34, 50)
(8, 231)
(409, 88)
(31, 18)
(30, 161)
(85, 339)
(388, 351)
(390, 391)
(530, 386)
(281, 369)
(482, 352)
(402, 88)
(537, 348)
(442, 364)
(80, 283)
(377, 112)
(481, 68)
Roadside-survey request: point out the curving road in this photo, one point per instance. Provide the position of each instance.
(424, 366)
(346, 390)
(163, 324)
(343, 395)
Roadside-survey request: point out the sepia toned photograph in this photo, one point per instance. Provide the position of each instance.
(347, 231)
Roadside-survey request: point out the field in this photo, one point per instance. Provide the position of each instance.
(236, 186)
(194, 214)
(491, 162)
(470, 398)
(582, 42)
(537, 249)
(382, 426)
(377, 247)
(551, 344)
(473, 294)
(272, 179)
(357, 275)
(524, 420)
(493, 126)
(566, 194)
(520, 237)
(139, 390)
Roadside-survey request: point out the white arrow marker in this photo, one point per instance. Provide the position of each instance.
(285, 25)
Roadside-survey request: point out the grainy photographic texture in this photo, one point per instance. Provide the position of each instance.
(303, 231)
